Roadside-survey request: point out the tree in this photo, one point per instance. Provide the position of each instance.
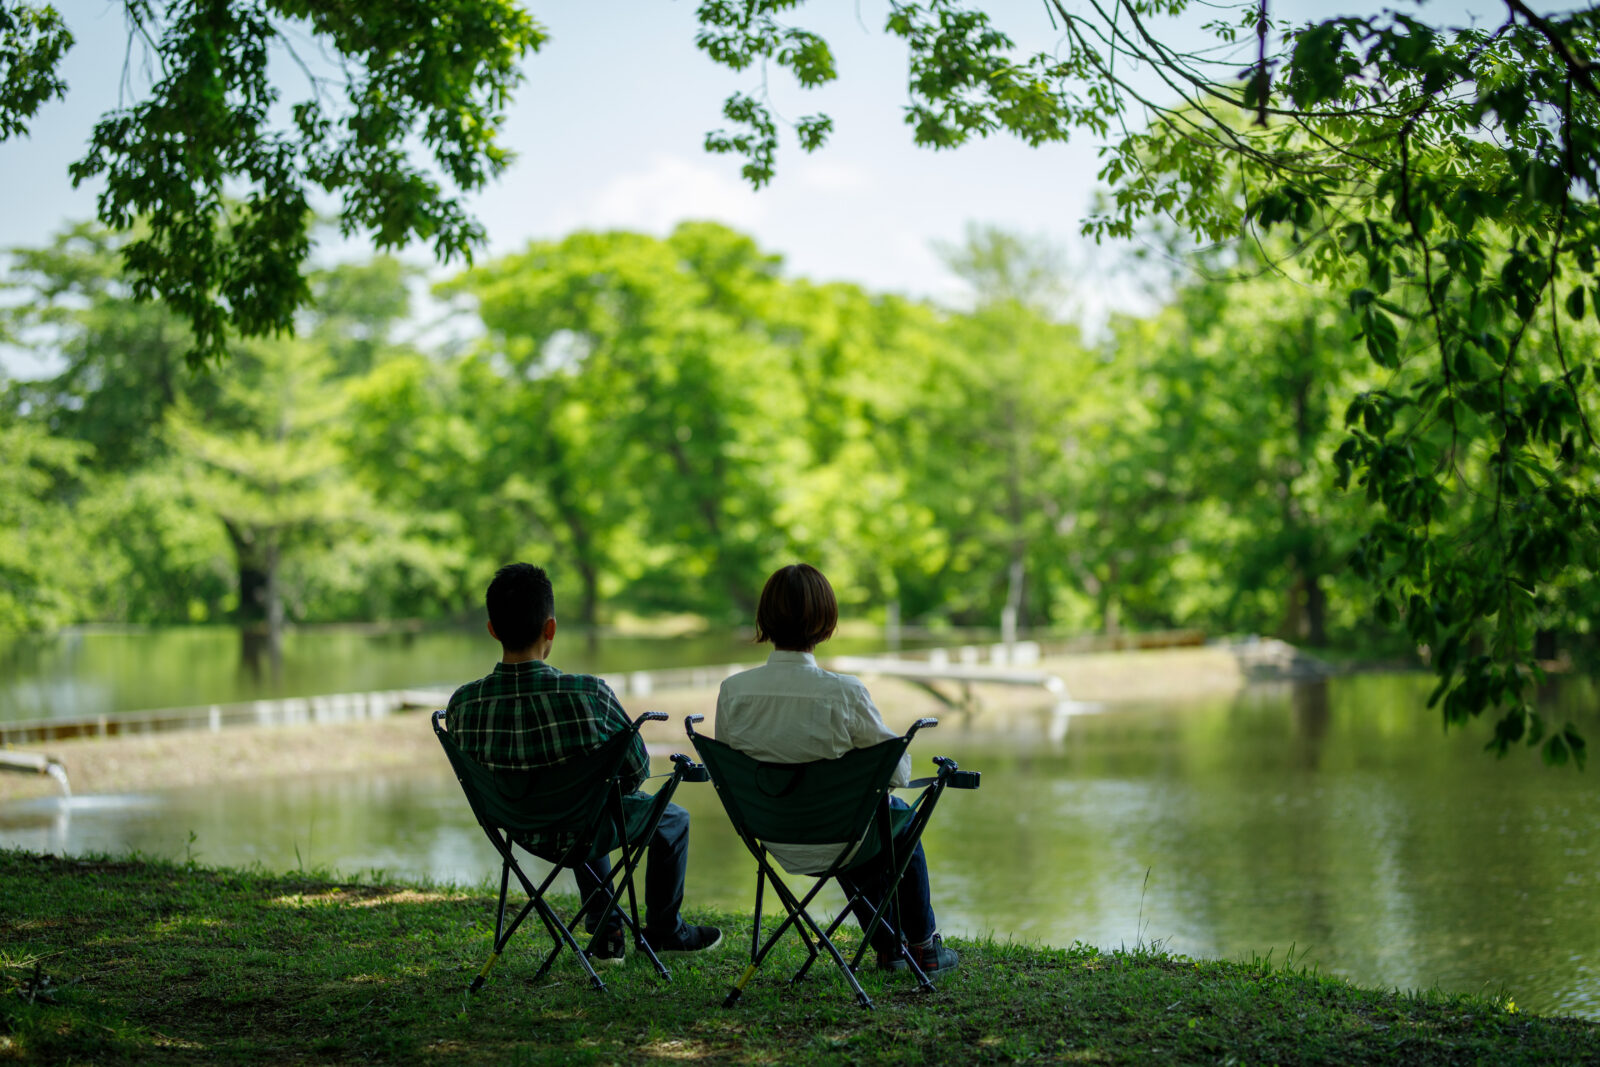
(122, 359)
(1018, 389)
(265, 462)
(41, 585)
(1242, 376)
(857, 362)
(649, 408)
(1443, 178)
(223, 190)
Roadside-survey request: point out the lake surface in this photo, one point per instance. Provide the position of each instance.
(87, 673)
(1332, 819)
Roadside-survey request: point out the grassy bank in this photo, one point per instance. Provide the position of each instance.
(151, 963)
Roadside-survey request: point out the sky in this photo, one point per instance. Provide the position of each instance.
(608, 130)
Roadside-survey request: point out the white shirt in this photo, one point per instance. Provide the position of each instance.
(792, 711)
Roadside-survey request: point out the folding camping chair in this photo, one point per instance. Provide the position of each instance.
(577, 804)
(825, 802)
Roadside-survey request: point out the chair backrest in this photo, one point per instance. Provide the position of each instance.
(542, 801)
(816, 803)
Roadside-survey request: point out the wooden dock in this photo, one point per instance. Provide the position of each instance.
(925, 674)
(292, 711)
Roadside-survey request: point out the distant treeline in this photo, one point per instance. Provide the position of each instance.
(664, 421)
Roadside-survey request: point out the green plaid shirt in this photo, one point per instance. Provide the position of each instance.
(529, 714)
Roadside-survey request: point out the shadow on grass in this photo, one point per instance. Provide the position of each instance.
(149, 962)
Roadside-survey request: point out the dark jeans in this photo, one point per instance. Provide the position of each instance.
(667, 862)
(911, 910)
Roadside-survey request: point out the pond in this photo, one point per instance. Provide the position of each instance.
(1332, 820)
(81, 674)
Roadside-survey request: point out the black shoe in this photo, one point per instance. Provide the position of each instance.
(892, 959)
(934, 959)
(610, 950)
(690, 939)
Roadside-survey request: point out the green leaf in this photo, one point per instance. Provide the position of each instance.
(1576, 743)
(1383, 341)
(1575, 303)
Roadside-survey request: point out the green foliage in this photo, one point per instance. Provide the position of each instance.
(40, 584)
(32, 42)
(154, 557)
(121, 360)
(663, 421)
(1244, 378)
(738, 35)
(1434, 174)
(1444, 180)
(219, 190)
(170, 492)
(620, 374)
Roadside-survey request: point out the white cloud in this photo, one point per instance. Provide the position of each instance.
(668, 190)
(831, 176)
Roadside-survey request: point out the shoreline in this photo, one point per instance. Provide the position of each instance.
(185, 758)
(141, 962)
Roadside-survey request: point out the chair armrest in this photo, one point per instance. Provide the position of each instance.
(954, 777)
(688, 770)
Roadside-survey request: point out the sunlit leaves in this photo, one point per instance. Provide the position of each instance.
(1443, 179)
(738, 35)
(965, 79)
(224, 190)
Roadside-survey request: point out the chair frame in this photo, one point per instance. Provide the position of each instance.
(608, 815)
(817, 938)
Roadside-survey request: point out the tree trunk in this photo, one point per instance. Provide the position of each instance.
(1013, 609)
(260, 612)
(1110, 606)
(1316, 612)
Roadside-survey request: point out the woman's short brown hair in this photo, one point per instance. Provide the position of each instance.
(797, 610)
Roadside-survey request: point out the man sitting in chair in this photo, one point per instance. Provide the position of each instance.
(792, 711)
(526, 714)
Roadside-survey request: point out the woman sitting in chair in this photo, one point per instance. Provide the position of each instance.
(792, 711)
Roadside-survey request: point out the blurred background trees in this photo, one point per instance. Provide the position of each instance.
(665, 420)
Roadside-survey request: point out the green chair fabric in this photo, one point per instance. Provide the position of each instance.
(567, 814)
(843, 800)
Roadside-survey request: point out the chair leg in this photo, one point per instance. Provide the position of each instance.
(500, 934)
(758, 954)
(849, 975)
(550, 957)
(804, 919)
(479, 978)
(797, 912)
(583, 958)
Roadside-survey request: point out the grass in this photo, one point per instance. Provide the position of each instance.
(132, 961)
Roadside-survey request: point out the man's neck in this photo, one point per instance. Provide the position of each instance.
(524, 655)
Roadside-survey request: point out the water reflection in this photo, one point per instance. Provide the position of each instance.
(1334, 819)
(83, 674)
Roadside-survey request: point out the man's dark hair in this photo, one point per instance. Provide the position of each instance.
(519, 600)
(797, 609)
